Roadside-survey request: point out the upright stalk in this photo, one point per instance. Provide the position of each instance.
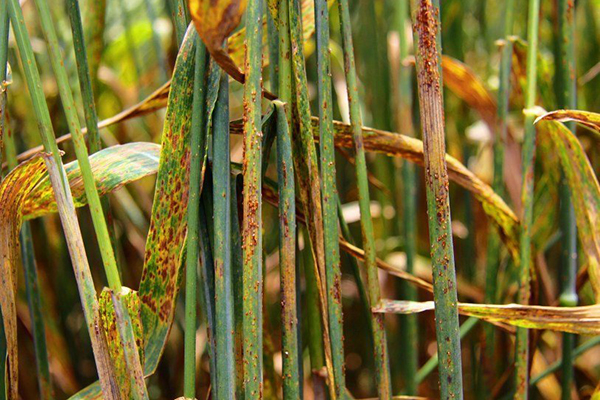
(329, 193)
(222, 245)
(308, 178)
(4, 25)
(402, 92)
(193, 216)
(56, 58)
(427, 32)
(251, 228)
(179, 14)
(493, 252)
(287, 258)
(382, 369)
(566, 98)
(62, 191)
(87, 93)
(522, 339)
(83, 72)
(32, 289)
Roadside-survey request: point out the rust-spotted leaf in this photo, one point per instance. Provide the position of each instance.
(13, 190)
(112, 167)
(589, 119)
(585, 190)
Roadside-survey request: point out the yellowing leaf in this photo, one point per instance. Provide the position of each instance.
(112, 167)
(13, 190)
(583, 320)
(585, 192)
(215, 20)
(589, 119)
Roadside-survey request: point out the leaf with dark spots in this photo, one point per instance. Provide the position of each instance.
(112, 167)
(585, 191)
(13, 190)
(130, 300)
(589, 119)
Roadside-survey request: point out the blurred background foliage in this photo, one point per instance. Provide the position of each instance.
(132, 50)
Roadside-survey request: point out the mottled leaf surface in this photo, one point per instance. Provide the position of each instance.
(13, 190)
(112, 167)
(589, 119)
(585, 191)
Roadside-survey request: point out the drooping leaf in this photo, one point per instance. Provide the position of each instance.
(585, 191)
(583, 320)
(13, 190)
(589, 119)
(112, 167)
(214, 21)
(130, 166)
(412, 149)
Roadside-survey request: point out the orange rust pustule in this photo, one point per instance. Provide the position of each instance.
(427, 28)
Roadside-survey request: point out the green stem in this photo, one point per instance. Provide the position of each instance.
(362, 290)
(382, 369)
(522, 339)
(222, 250)
(62, 191)
(89, 107)
(207, 275)
(493, 255)
(100, 226)
(35, 310)
(34, 84)
(427, 32)
(198, 135)
(309, 185)
(313, 319)
(179, 14)
(251, 229)
(430, 365)
(287, 258)
(329, 194)
(237, 283)
(4, 25)
(579, 350)
(33, 294)
(409, 342)
(566, 98)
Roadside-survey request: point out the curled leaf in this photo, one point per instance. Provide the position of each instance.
(13, 190)
(112, 167)
(215, 20)
(585, 191)
(589, 119)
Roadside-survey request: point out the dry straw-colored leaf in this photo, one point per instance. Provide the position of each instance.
(583, 320)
